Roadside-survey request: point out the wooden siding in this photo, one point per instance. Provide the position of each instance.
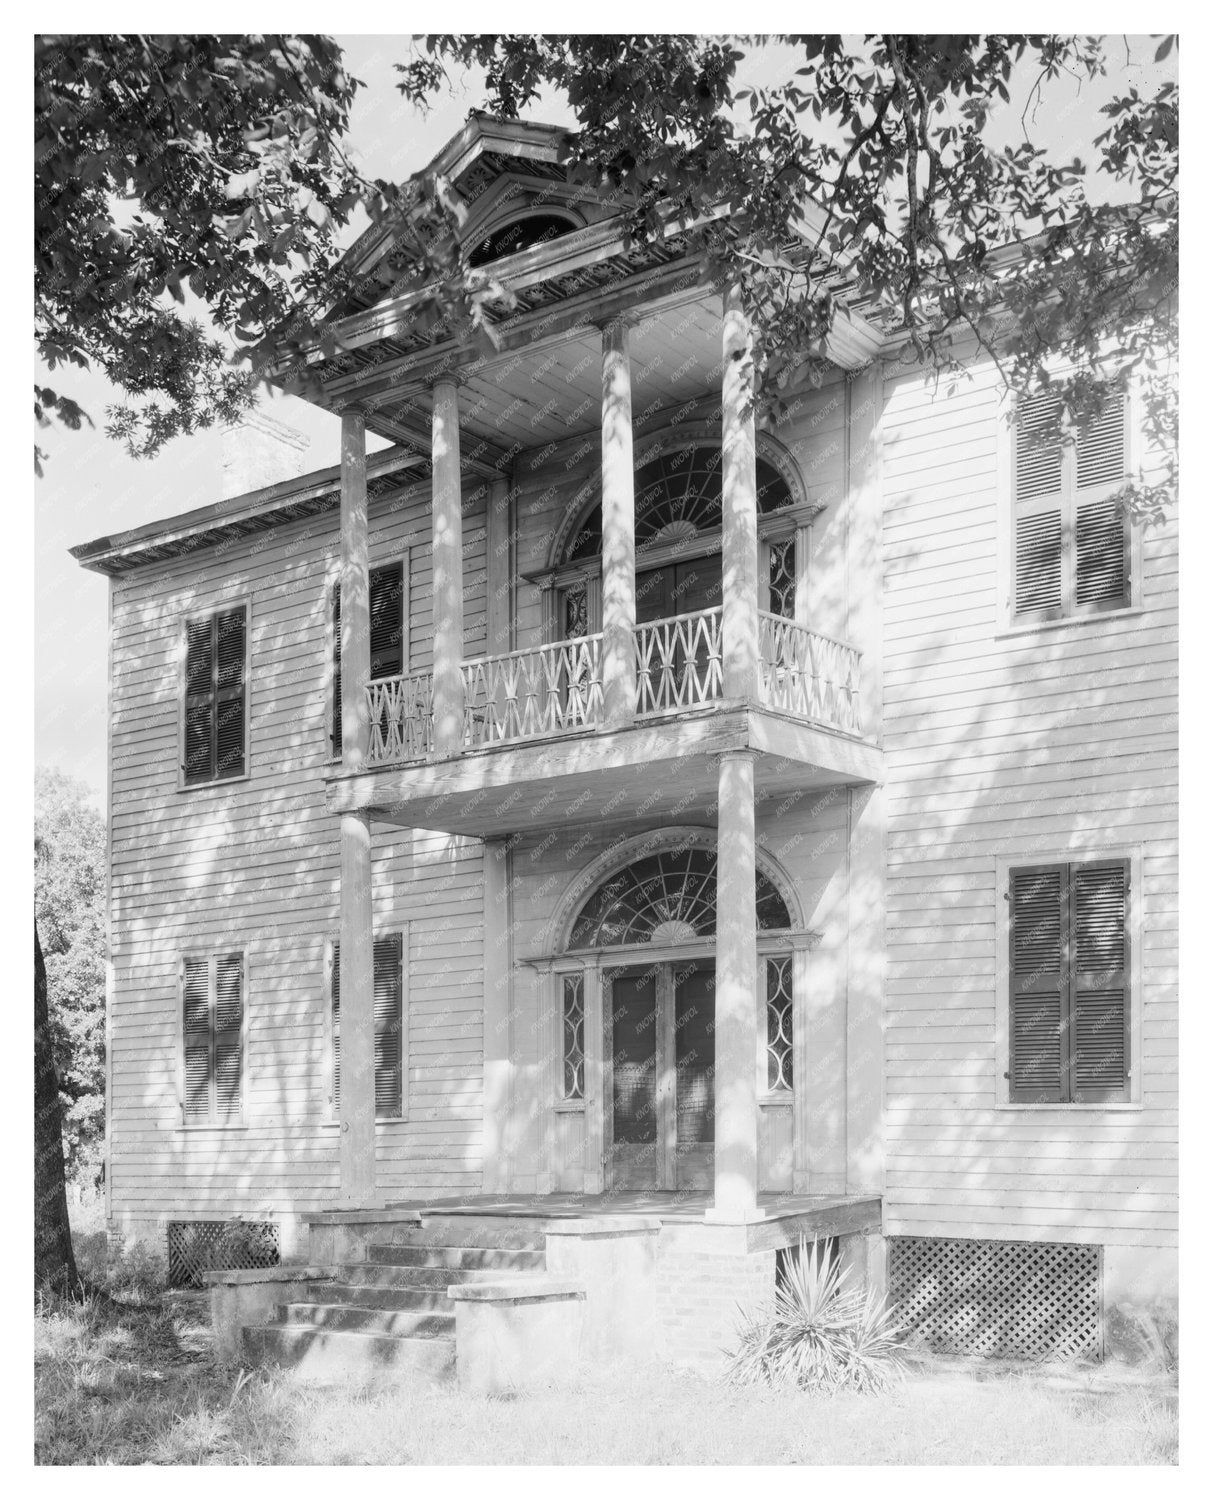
(254, 865)
(1003, 746)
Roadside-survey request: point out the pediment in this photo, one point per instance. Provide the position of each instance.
(501, 173)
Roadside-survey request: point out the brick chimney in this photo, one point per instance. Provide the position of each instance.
(258, 451)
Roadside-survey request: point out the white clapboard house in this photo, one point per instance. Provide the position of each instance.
(591, 832)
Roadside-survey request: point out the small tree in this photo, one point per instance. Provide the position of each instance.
(69, 916)
(54, 1262)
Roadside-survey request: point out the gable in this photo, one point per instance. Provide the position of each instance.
(498, 173)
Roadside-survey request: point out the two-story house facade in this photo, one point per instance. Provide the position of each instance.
(596, 800)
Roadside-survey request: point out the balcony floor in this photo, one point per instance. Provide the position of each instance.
(650, 770)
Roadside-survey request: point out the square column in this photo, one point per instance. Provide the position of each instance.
(736, 1081)
(739, 507)
(618, 532)
(447, 518)
(357, 1149)
(357, 1155)
(355, 595)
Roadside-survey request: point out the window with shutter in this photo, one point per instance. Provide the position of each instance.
(214, 715)
(389, 630)
(1071, 542)
(212, 1001)
(1069, 992)
(389, 1026)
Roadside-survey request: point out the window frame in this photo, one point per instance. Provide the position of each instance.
(211, 955)
(1080, 851)
(1008, 622)
(241, 602)
(403, 557)
(332, 1119)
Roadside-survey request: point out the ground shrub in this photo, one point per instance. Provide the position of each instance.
(821, 1335)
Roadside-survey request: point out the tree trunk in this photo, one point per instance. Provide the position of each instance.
(54, 1263)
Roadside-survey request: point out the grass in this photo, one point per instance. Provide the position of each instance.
(128, 1385)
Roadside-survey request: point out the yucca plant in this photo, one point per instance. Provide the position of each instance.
(822, 1334)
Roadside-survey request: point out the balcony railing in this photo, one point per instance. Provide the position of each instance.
(402, 719)
(806, 674)
(544, 691)
(678, 663)
(531, 694)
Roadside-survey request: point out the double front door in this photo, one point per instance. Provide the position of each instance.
(678, 588)
(660, 1055)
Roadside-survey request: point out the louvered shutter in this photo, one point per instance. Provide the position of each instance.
(336, 1003)
(387, 607)
(335, 734)
(1038, 511)
(1038, 922)
(230, 632)
(1101, 535)
(1100, 988)
(389, 1019)
(199, 700)
(229, 1035)
(389, 1027)
(387, 621)
(215, 697)
(196, 1032)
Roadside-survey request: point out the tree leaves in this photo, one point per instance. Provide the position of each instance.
(878, 146)
(229, 148)
(69, 911)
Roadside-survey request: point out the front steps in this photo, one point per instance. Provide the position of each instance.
(389, 1315)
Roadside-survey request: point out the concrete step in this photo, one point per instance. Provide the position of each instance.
(468, 1229)
(394, 1298)
(323, 1355)
(373, 1273)
(457, 1257)
(403, 1323)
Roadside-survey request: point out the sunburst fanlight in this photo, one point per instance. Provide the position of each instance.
(669, 896)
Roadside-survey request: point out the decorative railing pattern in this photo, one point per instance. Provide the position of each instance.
(557, 689)
(402, 719)
(526, 695)
(678, 663)
(809, 675)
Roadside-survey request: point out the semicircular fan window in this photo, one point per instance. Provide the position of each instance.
(678, 496)
(520, 234)
(670, 895)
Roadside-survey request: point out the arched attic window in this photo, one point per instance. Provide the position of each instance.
(519, 234)
(678, 497)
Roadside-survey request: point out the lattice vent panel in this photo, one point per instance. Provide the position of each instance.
(195, 1246)
(1000, 1299)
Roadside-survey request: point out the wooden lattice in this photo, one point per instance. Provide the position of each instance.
(1001, 1299)
(195, 1246)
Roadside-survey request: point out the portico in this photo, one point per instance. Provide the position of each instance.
(723, 736)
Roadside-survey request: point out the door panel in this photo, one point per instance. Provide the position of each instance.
(634, 1124)
(659, 1028)
(695, 1066)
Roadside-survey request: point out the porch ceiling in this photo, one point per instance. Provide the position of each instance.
(647, 772)
(524, 398)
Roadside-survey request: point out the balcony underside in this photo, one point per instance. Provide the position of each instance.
(648, 771)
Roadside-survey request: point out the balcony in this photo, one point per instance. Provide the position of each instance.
(536, 747)
(545, 692)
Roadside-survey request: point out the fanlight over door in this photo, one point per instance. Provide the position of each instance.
(669, 888)
(658, 1044)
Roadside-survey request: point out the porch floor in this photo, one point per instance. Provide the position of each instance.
(669, 1207)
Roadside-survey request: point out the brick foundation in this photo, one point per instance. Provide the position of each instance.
(700, 1298)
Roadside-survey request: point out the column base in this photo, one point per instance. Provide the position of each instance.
(733, 1215)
